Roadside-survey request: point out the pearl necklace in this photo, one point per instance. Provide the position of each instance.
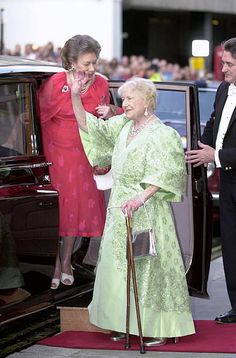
(134, 132)
(86, 86)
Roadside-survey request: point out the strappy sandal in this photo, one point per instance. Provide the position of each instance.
(66, 279)
(55, 283)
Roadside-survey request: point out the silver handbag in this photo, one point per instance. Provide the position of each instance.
(143, 243)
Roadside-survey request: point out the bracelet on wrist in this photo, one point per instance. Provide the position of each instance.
(141, 199)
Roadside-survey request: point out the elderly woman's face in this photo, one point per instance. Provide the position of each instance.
(87, 63)
(133, 104)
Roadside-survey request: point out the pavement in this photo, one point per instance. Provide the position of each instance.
(203, 309)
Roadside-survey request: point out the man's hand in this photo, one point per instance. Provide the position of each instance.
(204, 155)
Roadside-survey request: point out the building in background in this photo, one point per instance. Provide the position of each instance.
(40, 21)
(153, 28)
(166, 28)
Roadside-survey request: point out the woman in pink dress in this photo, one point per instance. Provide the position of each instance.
(81, 204)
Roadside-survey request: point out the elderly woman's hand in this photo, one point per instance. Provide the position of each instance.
(100, 170)
(131, 205)
(104, 111)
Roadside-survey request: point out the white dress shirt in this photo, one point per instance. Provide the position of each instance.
(224, 122)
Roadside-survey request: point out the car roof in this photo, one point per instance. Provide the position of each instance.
(14, 64)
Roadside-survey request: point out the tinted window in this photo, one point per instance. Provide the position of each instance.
(16, 132)
(171, 109)
(206, 101)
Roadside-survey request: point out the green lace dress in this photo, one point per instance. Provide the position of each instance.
(154, 157)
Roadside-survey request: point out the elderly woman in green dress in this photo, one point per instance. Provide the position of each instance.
(148, 166)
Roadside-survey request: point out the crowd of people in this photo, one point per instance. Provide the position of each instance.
(157, 69)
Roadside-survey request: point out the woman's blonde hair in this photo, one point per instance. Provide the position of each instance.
(145, 87)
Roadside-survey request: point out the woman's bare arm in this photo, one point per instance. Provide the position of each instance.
(80, 114)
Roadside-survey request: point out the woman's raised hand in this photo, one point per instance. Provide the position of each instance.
(78, 80)
(104, 111)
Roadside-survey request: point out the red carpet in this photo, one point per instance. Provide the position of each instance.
(210, 337)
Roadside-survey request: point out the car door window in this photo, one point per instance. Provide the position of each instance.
(171, 109)
(206, 100)
(17, 132)
(16, 135)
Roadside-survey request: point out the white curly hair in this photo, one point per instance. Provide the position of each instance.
(144, 87)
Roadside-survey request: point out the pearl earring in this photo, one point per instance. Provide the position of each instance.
(146, 112)
(72, 68)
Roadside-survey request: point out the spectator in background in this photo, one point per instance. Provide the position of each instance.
(125, 61)
(117, 69)
(152, 72)
(47, 53)
(121, 73)
(17, 50)
(29, 52)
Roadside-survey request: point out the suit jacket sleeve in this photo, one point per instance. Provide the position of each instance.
(227, 154)
(208, 134)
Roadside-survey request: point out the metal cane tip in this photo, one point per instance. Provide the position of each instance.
(142, 350)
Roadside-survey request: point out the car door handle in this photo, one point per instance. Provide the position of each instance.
(45, 203)
(198, 185)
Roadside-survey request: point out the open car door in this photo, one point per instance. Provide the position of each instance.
(177, 106)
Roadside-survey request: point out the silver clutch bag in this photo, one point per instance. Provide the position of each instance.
(143, 243)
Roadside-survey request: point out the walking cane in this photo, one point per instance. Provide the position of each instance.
(131, 270)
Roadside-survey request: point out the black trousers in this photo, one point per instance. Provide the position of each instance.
(228, 231)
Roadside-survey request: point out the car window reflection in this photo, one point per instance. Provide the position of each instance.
(15, 176)
(15, 120)
(206, 100)
(171, 109)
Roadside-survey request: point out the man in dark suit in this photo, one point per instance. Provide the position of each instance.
(218, 144)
